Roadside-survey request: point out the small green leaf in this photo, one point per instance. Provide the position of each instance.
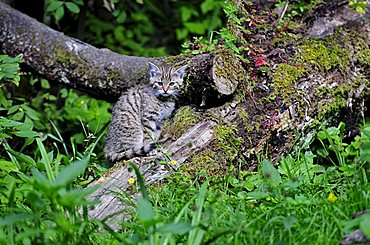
(256, 195)
(71, 198)
(8, 123)
(69, 173)
(26, 134)
(13, 109)
(22, 157)
(145, 212)
(73, 7)
(360, 10)
(8, 166)
(174, 228)
(269, 172)
(45, 83)
(4, 136)
(54, 6)
(187, 12)
(18, 116)
(181, 33)
(289, 222)
(45, 160)
(42, 182)
(3, 101)
(209, 5)
(59, 13)
(352, 224)
(196, 27)
(8, 59)
(34, 115)
(366, 132)
(365, 151)
(79, 2)
(121, 17)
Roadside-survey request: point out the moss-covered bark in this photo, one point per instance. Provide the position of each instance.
(305, 82)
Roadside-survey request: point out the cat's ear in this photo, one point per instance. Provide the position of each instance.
(153, 70)
(180, 72)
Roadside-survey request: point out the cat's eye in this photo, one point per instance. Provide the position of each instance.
(171, 83)
(160, 83)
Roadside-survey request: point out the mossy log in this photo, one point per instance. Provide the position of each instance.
(100, 72)
(305, 82)
(310, 75)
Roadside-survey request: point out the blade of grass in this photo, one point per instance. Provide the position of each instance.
(45, 160)
(61, 140)
(177, 219)
(196, 235)
(140, 180)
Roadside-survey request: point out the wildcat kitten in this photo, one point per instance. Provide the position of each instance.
(139, 113)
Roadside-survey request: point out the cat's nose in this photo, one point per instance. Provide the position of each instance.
(165, 88)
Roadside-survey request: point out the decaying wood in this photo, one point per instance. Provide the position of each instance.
(99, 72)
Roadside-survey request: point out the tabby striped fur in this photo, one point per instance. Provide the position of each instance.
(138, 115)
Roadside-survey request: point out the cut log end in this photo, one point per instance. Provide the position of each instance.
(227, 72)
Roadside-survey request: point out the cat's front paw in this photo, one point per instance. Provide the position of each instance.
(114, 157)
(152, 153)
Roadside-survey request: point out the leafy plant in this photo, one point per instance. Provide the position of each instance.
(9, 68)
(40, 191)
(57, 8)
(359, 6)
(299, 200)
(149, 226)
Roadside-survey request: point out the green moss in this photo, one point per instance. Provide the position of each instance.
(205, 161)
(363, 57)
(314, 56)
(285, 75)
(335, 98)
(68, 59)
(248, 124)
(227, 141)
(115, 74)
(319, 55)
(330, 106)
(184, 118)
(227, 66)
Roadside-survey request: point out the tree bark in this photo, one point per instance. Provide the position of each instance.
(100, 72)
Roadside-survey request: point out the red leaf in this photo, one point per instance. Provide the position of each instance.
(259, 61)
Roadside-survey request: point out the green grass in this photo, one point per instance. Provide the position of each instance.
(308, 199)
(299, 202)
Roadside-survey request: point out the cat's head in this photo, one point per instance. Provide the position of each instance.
(165, 80)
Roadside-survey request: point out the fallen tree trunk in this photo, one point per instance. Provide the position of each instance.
(100, 72)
